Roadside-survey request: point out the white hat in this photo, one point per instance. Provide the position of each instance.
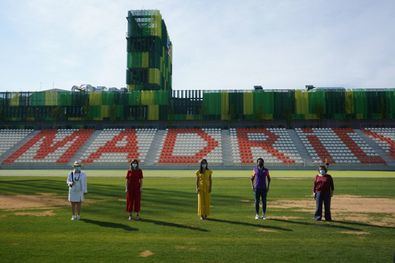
(76, 164)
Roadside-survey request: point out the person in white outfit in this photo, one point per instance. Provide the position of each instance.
(76, 180)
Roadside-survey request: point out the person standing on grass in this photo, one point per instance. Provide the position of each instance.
(260, 182)
(203, 189)
(133, 189)
(77, 182)
(323, 191)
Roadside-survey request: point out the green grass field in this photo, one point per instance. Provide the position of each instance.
(171, 230)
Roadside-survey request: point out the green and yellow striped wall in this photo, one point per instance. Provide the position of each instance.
(213, 105)
(299, 105)
(149, 52)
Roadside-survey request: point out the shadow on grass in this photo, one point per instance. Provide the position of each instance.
(163, 223)
(248, 224)
(150, 195)
(109, 224)
(32, 186)
(318, 224)
(361, 224)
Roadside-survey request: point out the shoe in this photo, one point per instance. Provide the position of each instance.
(130, 218)
(201, 218)
(137, 218)
(256, 217)
(73, 217)
(78, 217)
(263, 217)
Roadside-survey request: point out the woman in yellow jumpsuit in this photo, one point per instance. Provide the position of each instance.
(203, 189)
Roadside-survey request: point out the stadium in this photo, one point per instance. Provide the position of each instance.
(351, 130)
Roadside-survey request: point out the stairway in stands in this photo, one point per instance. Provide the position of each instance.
(226, 148)
(5, 155)
(307, 160)
(386, 156)
(155, 149)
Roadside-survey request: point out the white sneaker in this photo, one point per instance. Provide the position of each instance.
(78, 217)
(73, 217)
(263, 216)
(130, 218)
(256, 217)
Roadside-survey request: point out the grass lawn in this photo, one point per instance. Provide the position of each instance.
(171, 230)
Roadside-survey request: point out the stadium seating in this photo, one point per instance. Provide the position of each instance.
(119, 145)
(190, 146)
(181, 146)
(274, 145)
(337, 146)
(51, 146)
(384, 137)
(10, 137)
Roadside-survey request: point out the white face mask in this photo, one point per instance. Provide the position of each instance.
(134, 165)
(322, 172)
(204, 166)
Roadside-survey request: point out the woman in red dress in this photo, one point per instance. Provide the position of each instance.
(134, 183)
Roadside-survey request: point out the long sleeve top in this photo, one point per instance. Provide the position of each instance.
(323, 184)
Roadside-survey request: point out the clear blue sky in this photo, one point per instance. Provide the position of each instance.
(217, 44)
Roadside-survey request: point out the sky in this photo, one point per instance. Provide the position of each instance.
(223, 44)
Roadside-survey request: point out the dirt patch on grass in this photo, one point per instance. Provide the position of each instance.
(266, 230)
(41, 201)
(36, 213)
(386, 220)
(44, 200)
(359, 204)
(353, 217)
(185, 248)
(146, 253)
(349, 208)
(358, 233)
(344, 203)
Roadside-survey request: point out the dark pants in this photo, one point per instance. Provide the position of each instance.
(260, 193)
(326, 199)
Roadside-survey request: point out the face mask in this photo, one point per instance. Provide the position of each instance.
(322, 172)
(204, 166)
(134, 165)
